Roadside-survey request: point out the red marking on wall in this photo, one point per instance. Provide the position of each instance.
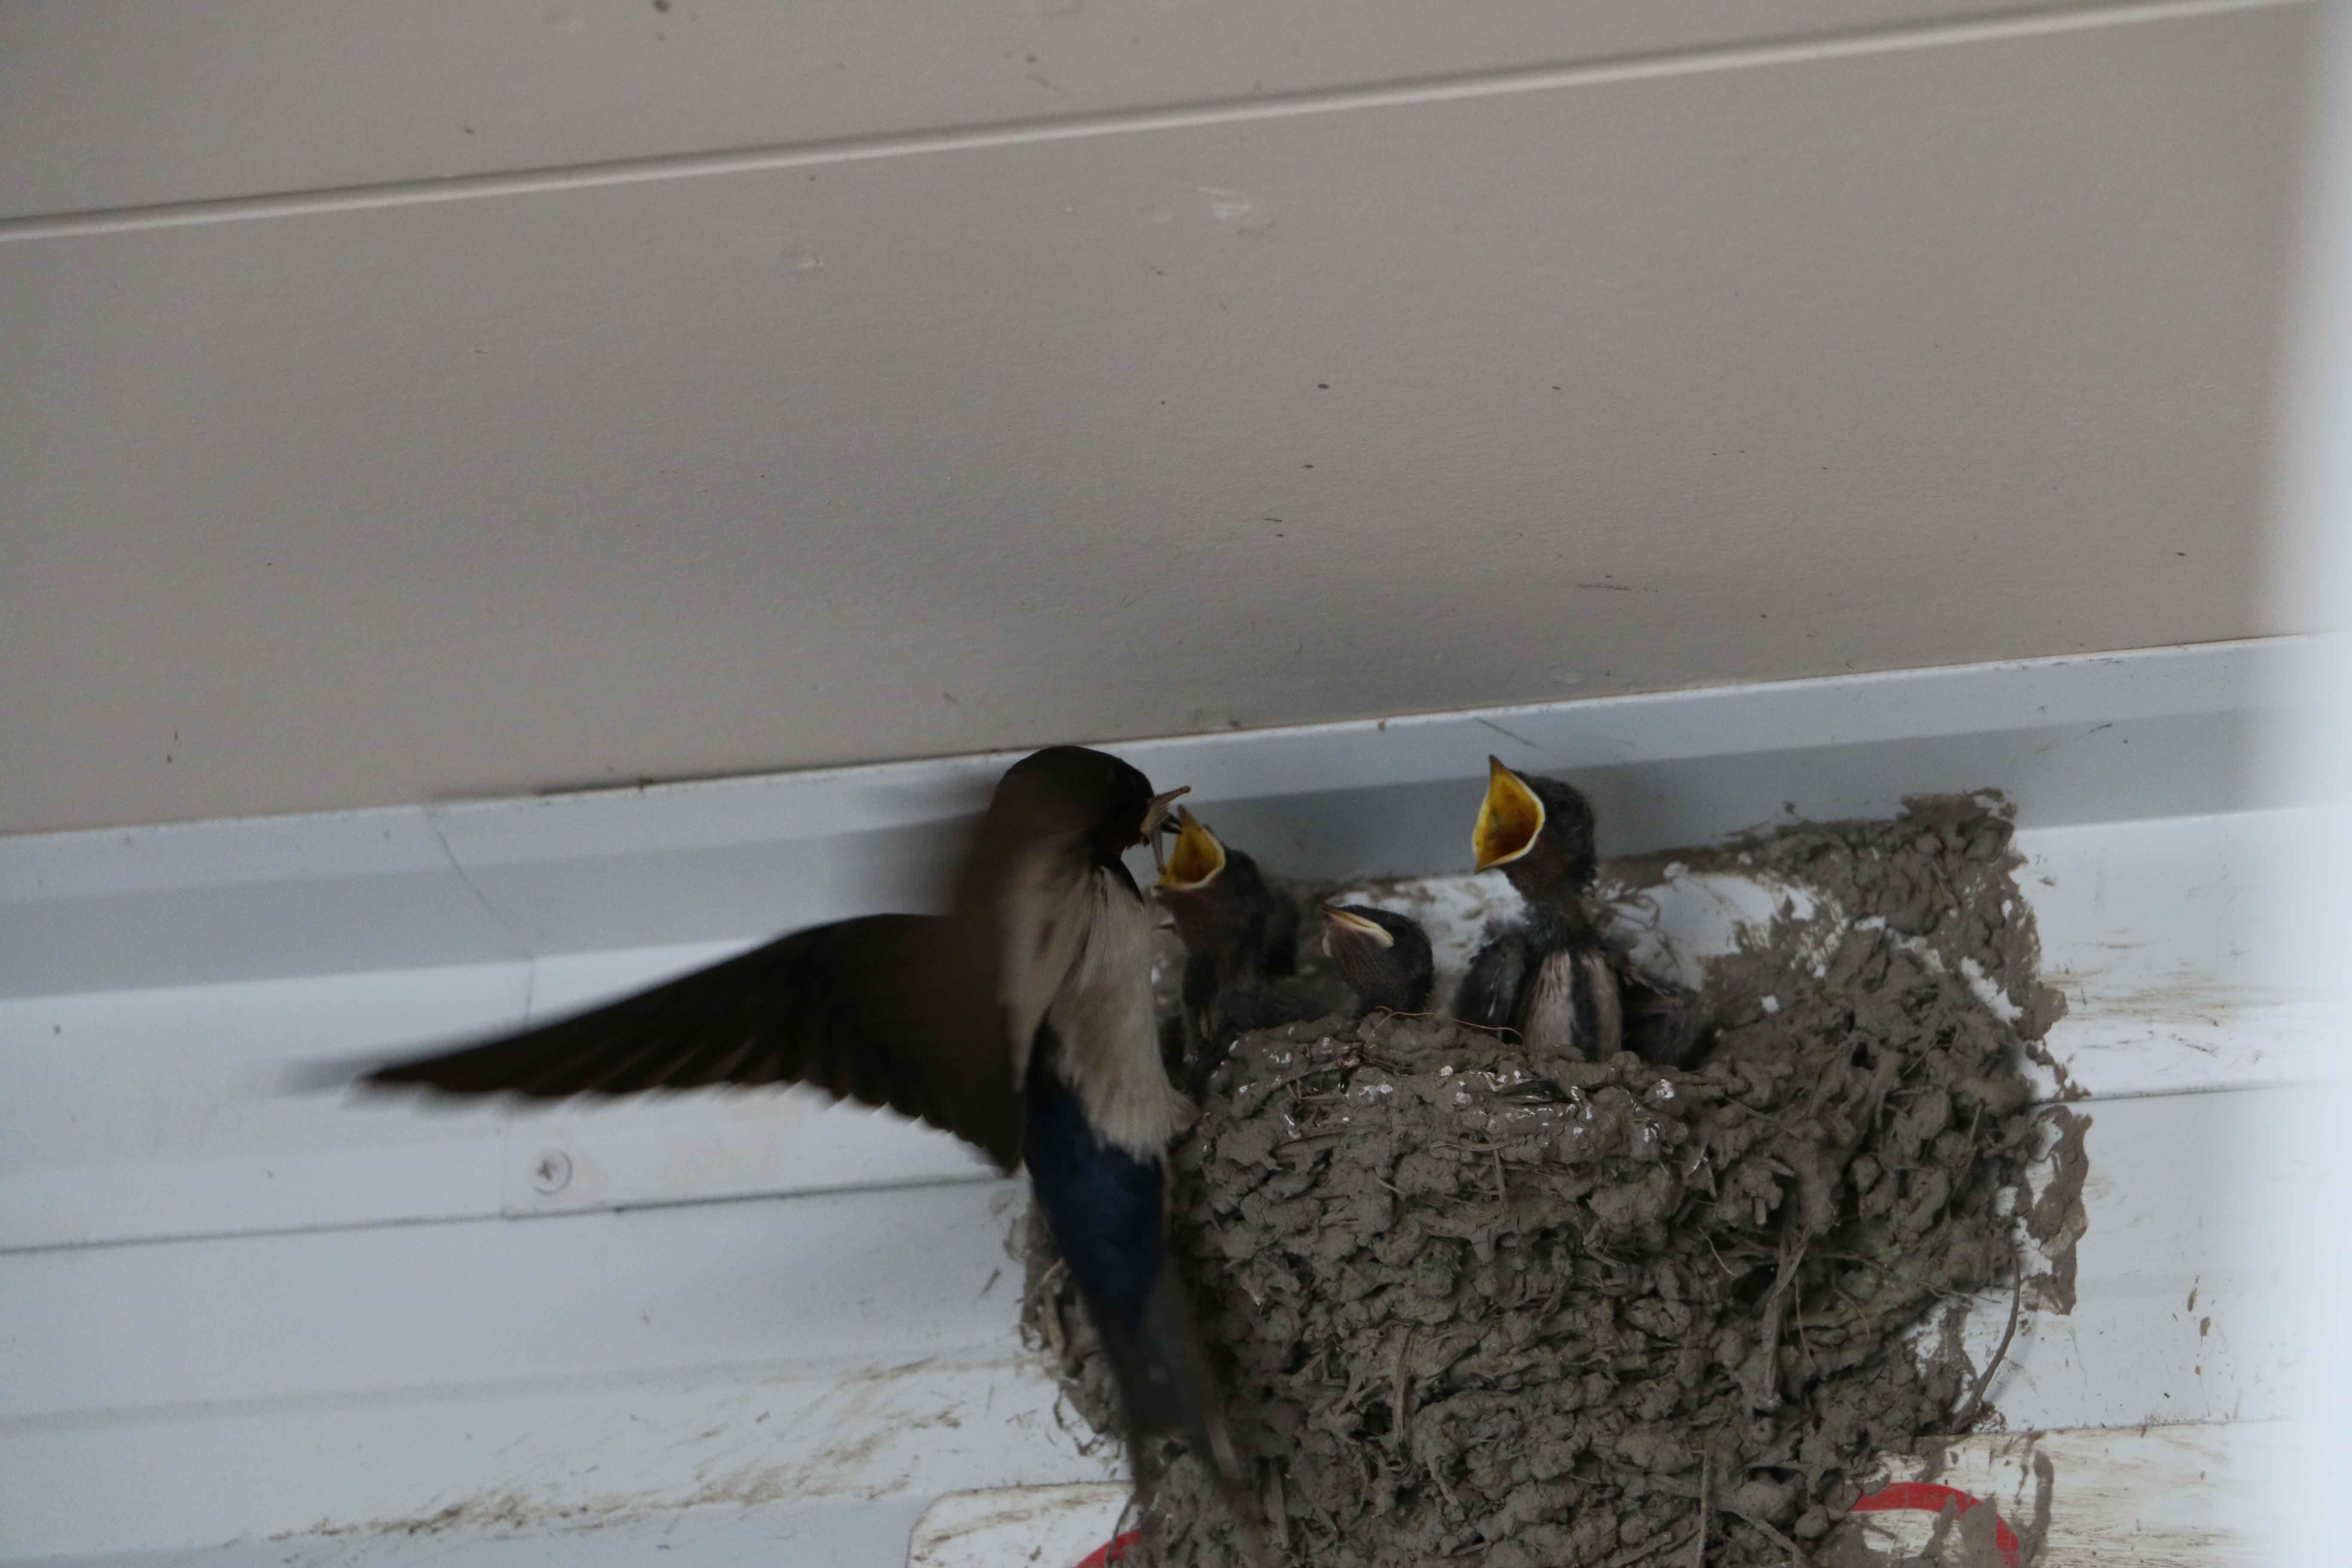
(1927, 1496)
(1115, 1552)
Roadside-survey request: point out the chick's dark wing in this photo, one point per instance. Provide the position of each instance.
(889, 1010)
(1489, 992)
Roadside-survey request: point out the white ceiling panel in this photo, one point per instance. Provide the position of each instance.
(1881, 359)
(111, 103)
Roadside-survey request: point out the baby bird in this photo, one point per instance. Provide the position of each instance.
(1240, 945)
(1384, 958)
(1551, 978)
(1539, 833)
(1548, 978)
(1664, 1025)
(1235, 926)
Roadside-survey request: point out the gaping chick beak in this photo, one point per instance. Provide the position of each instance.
(1196, 859)
(1509, 819)
(1339, 923)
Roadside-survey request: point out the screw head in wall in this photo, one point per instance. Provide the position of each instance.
(551, 1171)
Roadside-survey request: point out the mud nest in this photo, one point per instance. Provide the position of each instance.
(1476, 1308)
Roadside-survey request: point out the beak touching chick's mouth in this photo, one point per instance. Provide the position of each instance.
(1509, 819)
(1195, 861)
(1155, 820)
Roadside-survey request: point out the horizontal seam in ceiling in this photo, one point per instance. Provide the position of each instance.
(1842, 44)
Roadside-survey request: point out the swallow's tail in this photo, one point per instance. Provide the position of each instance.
(1106, 1210)
(1167, 1387)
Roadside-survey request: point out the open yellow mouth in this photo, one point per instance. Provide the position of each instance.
(1195, 861)
(1509, 819)
(1343, 923)
(1155, 817)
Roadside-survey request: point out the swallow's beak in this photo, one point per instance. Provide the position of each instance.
(1155, 821)
(1509, 819)
(1338, 924)
(1195, 861)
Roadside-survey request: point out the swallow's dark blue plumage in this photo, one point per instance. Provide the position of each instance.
(1106, 1209)
(1102, 1204)
(1022, 1021)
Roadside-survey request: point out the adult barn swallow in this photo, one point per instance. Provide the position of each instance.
(1384, 957)
(1022, 1021)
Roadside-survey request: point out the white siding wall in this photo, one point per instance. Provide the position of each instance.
(228, 1315)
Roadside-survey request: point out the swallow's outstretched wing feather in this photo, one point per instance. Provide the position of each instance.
(889, 1010)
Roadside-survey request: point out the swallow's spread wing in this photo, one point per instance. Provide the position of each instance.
(890, 1010)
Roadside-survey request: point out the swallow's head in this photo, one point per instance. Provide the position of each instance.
(1077, 791)
(1538, 830)
(1384, 957)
